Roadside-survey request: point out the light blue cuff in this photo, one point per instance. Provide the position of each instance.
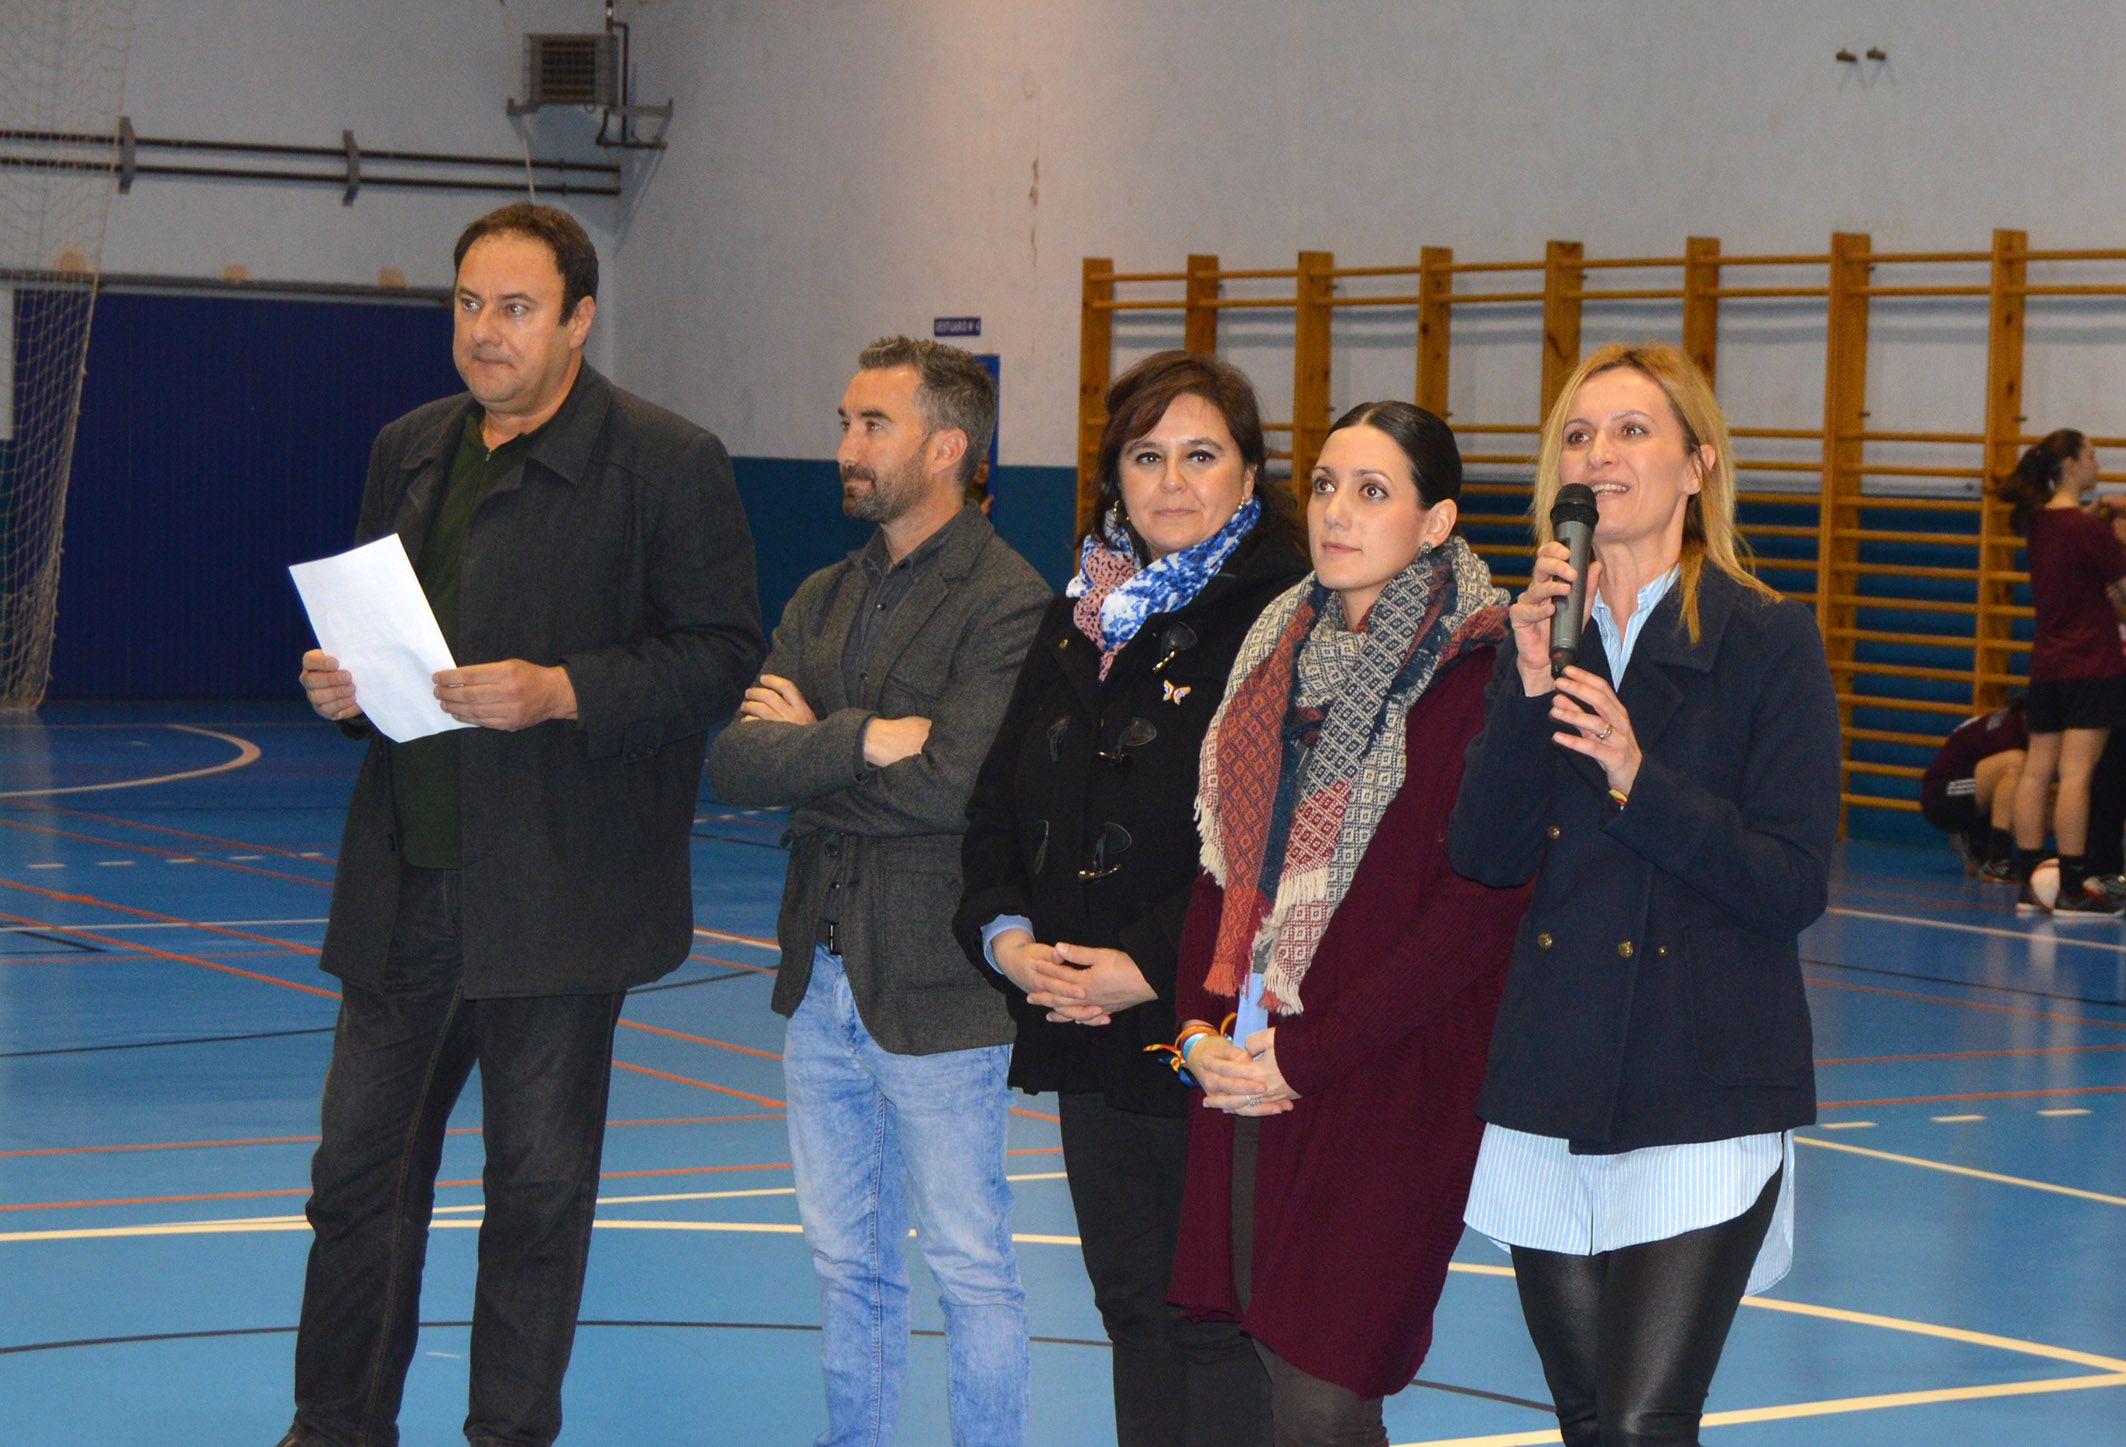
(996, 927)
(1251, 1014)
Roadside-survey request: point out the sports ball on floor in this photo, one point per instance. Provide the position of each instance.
(2045, 882)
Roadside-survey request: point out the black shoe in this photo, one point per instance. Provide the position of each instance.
(1998, 871)
(2081, 902)
(2111, 888)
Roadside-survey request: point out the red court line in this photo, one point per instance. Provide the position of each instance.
(742, 939)
(1969, 1054)
(311, 1140)
(84, 957)
(1966, 1004)
(169, 955)
(180, 833)
(705, 1085)
(97, 903)
(734, 964)
(699, 1039)
(1979, 1095)
(166, 853)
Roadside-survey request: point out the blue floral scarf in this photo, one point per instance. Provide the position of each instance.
(1116, 594)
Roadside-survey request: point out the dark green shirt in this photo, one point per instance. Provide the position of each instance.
(424, 773)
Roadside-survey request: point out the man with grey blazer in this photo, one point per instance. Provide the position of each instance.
(887, 677)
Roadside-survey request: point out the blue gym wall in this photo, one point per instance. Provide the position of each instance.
(221, 438)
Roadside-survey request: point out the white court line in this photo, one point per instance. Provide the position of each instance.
(246, 753)
(1845, 1125)
(1953, 1119)
(1972, 1172)
(2117, 946)
(55, 864)
(115, 863)
(2077, 1110)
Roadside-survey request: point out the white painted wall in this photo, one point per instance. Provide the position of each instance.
(430, 75)
(842, 168)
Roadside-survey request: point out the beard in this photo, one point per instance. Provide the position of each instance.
(887, 497)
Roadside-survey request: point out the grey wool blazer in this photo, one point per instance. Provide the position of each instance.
(891, 835)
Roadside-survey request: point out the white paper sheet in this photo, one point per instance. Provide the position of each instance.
(368, 611)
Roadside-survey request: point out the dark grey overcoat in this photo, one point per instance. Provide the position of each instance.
(620, 552)
(891, 835)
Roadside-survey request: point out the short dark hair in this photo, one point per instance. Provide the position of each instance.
(563, 234)
(1139, 398)
(1426, 440)
(953, 390)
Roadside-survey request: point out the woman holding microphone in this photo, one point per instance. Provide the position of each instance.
(1674, 796)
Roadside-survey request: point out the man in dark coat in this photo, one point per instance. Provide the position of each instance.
(889, 673)
(500, 887)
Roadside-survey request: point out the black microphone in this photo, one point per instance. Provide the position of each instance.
(1572, 522)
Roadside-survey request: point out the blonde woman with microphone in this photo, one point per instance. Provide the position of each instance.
(1674, 796)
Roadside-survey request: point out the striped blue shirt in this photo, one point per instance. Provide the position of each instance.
(1532, 1191)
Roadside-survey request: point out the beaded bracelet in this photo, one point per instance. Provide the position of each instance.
(1191, 1034)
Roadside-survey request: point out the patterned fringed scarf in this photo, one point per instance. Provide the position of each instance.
(1305, 754)
(1115, 594)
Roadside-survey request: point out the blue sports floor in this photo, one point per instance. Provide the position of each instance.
(164, 871)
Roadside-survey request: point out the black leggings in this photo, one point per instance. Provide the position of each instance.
(1630, 1338)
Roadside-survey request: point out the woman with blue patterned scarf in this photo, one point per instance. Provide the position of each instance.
(1082, 847)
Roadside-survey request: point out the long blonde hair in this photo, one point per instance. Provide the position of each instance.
(1709, 533)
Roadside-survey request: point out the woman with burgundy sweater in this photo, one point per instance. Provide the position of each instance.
(1326, 1181)
(2077, 677)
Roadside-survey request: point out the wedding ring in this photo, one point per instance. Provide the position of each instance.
(1607, 730)
(1254, 1100)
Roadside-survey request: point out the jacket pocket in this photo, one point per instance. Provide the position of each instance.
(1749, 1017)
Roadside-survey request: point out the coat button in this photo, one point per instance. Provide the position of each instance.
(1661, 950)
(1543, 940)
(1624, 949)
(1553, 832)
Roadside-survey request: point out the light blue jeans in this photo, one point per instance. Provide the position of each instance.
(873, 1136)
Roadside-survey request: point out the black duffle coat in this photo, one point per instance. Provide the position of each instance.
(1099, 776)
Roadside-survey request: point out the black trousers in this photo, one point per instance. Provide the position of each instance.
(1630, 1338)
(400, 1056)
(1305, 1410)
(1178, 1383)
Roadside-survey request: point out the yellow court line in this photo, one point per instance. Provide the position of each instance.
(2024, 1181)
(1825, 1408)
(246, 753)
(2112, 1373)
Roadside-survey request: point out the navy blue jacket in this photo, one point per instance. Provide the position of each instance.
(1655, 994)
